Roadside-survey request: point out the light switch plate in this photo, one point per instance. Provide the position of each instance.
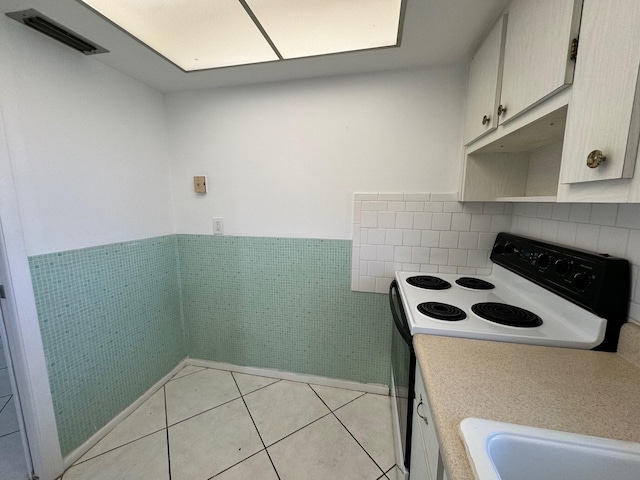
(218, 226)
(200, 184)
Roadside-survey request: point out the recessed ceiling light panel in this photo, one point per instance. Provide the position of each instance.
(205, 34)
(193, 34)
(303, 28)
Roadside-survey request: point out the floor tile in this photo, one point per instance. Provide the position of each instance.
(147, 418)
(393, 474)
(323, 450)
(12, 459)
(283, 408)
(186, 371)
(250, 383)
(3, 359)
(143, 459)
(335, 397)
(5, 386)
(257, 467)
(200, 391)
(369, 420)
(9, 418)
(205, 445)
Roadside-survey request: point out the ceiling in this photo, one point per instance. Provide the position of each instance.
(436, 32)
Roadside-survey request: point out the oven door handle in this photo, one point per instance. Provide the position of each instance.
(399, 317)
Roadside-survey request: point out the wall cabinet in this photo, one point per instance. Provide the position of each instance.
(485, 80)
(537, 57)
(604, 113)
(426, 463)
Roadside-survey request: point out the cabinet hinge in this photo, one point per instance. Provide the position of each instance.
(574, 49)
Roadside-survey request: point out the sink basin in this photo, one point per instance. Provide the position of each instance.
(505, 451)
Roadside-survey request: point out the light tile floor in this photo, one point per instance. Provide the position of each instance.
(12, 461)
(213, 424)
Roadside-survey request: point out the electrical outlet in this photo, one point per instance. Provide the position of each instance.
(200, 184)
(218, 226)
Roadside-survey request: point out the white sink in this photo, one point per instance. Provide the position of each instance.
(505, 451)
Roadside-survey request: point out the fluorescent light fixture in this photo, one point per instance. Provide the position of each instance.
(303, 28)
(206, 34)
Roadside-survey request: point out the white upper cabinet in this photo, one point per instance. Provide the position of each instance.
(604, 112)
(483, 89)
(537, 58)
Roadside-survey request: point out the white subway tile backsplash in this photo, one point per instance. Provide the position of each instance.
(439, 256)
(364, 236)
(404, 219)
(422, 220)
(480, 222)
(550, 230)
(414, 206)
(458, 257)
(580, 212)
(430, 238)
(391, 267)
(368, 252)
(535, 227)
(473, 207)
(545, 210)
(376, 236)
(452, 207)
(629, 216)
(604, 214)
(435, 207)
(390, 196)
(410, 267)
(478, 258)
(500, 223)
(402, 254)
(420, 254)
(382, 285)
(444, 197)
(393, 237)
(587, 236)
(567, 232)
(412, 238)
(369, 219)
(386, 219)
(613, 240)
(375, 269)
(486, 240)
(367, 284)
(428, 268)
(448, 240)
(374, 205)
(633, 248)
(396, 206)
(560, 211)
(441, 221)
(357, 210)
(356, 235)
(417, 197)
(467, 270)
(385, 253)
(468, 240)
(461, 222)
(447, 269)
(493, 208)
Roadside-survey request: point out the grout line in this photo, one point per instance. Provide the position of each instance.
(301, 428)
(166, 429)
(353, 436)
(254, 424)
(10, 433)
(275, 380)
(238, 463)
(6, 403)
(114, 448)
(187, 374)
(204, 411)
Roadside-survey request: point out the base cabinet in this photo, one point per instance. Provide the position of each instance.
(426, 462)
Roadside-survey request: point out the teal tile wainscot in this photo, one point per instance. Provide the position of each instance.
(116, 318)
(110, 322)
(281, 303)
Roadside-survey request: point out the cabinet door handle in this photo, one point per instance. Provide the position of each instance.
(595, 159)
(501, 110)
(485, 120)
(423, 417)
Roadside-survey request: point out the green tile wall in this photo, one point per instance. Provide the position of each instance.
(116, 318)
(282, 303)
(111, 328)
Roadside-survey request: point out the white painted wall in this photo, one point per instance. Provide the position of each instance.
(87, 145)
(285, 159)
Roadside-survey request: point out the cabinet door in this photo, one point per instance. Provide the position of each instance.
(605, 105)
(424, 421)
(483, 89)
(537, 52)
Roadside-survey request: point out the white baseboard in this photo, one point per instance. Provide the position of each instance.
(295, 377)
(262, 372)
(100, 434)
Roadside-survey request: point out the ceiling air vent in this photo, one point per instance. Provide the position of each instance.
(34, 19)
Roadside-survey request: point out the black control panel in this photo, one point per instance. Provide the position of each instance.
(599, 283)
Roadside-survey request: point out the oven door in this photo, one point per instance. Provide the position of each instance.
(403, 366)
